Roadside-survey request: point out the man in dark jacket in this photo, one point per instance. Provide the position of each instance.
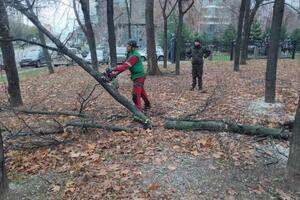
(197, 53)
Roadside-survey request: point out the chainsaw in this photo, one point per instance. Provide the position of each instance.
(109, 79)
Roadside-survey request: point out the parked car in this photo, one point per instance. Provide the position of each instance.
(33, 58)
(60, 59)
(121, 54)
(143, 53)
(102, 57)
(159, 54)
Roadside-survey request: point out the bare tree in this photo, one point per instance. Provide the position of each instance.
(151, 49)
(293, 165)
(247, 29)
(14, 91)
(166, 16)
(111, 32)
(43, 41)
(46, 53)
(270, 85)
(3, 176)
(239, 36)
(91, 71)
(128, 10)
(181, 13)
(87, 29)
(246, 25)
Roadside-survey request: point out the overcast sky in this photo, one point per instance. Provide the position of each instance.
(58, 18)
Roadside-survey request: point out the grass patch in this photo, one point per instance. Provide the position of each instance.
(221, 57)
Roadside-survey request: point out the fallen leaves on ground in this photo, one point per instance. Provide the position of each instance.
(103, 164)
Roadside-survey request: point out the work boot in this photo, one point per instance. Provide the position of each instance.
(192, 88)
(146, 107)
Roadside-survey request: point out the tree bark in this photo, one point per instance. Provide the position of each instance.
(178, 37)
(208, 125)
(293, 166)
(247, 28)
(128, 9)
(239, 36)
(85, 7)
(95, 125)
(165, 34)
(151, 49)
(165, 40)
(10, 67)
(92, 72)
(46, 53)
(42, 112)
(181, 14)
(111, 33)
(3, 175)
(270, 85)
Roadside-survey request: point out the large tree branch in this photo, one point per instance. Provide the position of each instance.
(42, 112)
(77, 17)
(172, 9)
(287, 4)
(95, 74)
(31, 42)
(189, 7)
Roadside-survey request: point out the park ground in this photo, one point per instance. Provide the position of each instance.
(157, 163)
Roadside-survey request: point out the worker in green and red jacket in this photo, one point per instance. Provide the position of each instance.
(136, 68)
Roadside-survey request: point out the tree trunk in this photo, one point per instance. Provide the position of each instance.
(239, 36)
(165, 40)
(247, 28)
(9, 61)
(247, 31)
(179, 37)
(270, 86)
(128, 9)
(92, 72)
(95, 125)
(3, 176)
(46, 53)
(111, 33)
(293, 165)
(85, 7)
(43, 112)
(151, 49)
(197, 125)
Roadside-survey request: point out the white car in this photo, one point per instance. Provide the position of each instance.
(121, 54)
(159, 54)
(101, 57)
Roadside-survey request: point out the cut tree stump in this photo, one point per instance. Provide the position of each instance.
(210, 125)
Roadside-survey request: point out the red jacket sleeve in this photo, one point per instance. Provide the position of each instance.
(132, 60)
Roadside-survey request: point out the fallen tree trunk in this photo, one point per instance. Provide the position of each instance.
(210, 125)
(95, 125)
(38, 144)
(35, 132)
(41, 112)
(99, 77)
